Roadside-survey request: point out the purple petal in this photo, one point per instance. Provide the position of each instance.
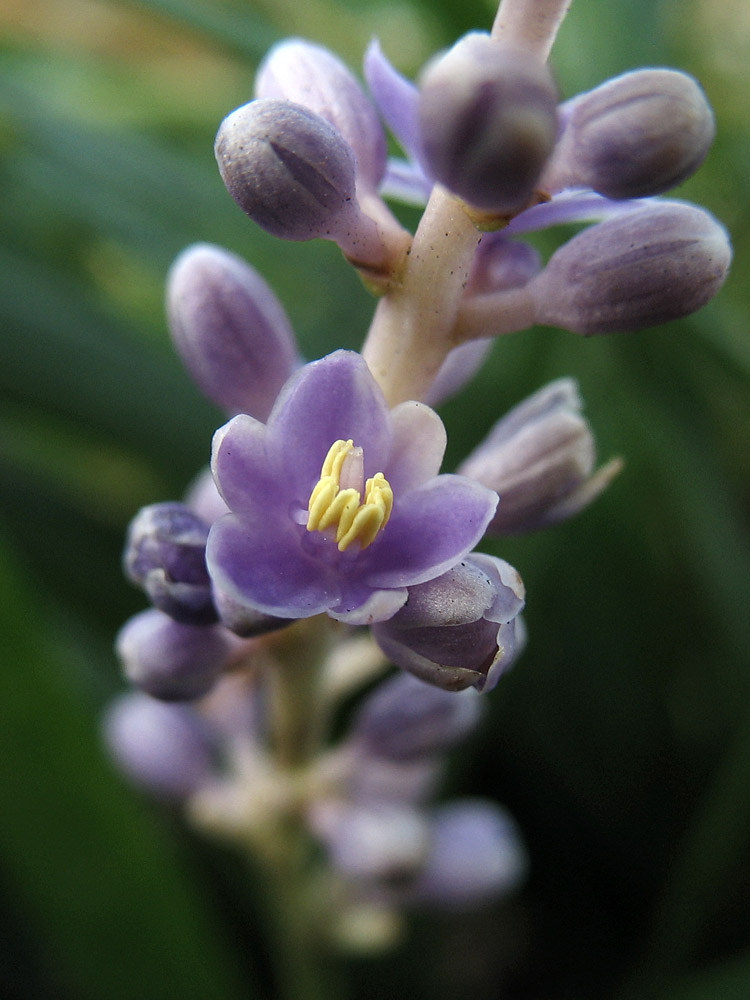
(327, 400)
(406, 182)
(364, 606)
(418, 446)
(396, 98)
(244, 475)
(264, 567)
(574, 205)
(431, 528)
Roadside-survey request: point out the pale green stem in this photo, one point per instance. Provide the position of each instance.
(530, 24)
(414, 329)
(410, 333)
(493, 314)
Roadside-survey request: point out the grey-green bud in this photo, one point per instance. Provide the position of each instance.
(644, 267)
(488, 121)
(638, 134)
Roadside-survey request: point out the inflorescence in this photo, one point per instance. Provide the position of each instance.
(325, 543)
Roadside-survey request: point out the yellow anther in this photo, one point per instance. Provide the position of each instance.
(330, 506)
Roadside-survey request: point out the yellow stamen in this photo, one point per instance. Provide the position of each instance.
(331, 507)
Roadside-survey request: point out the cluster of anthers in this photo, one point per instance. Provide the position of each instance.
(325, 543)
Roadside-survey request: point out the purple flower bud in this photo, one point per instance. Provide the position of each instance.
(312, 76)
(500, 264)
(292, 172)
(488, 119)
(636, 270)
(229, 329)
(539, 457)
(461, 629)
(245, 621)
(165, 554)
(475, 855)
(460, 366)
(406, 719)
(163, 748)
(638, 134)
(172, 661)
(382, 840)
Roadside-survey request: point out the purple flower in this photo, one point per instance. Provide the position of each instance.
(336, 504)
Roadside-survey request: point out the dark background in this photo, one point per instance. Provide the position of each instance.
(621, 741)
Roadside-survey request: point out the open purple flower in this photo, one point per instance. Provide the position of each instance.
(336, 502)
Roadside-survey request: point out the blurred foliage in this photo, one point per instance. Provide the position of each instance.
(621, 741)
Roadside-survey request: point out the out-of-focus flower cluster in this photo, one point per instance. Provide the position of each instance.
(325, 541)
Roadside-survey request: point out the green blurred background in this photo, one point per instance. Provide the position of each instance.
(621, 741)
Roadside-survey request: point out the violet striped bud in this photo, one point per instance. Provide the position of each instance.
(461, 629)
(296, 70)
(644, 267)
(172, 661)
(165, 554)
(405, 719)
(163, 748)
(488, 121)
(229, 329)
(540, 458)
(475, 855)
(638, 134)
(293, 173)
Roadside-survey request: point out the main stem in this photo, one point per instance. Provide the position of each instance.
(414, 326)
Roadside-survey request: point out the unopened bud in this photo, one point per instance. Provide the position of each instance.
(488, 120)
(406, 719)
(229, 329)
(539, 458)
(638, 134)
(310, 75)
(172, 661)
(163, 748)
(500, 264)
(460, 630)
(378, 840)
(475, 855)
(644, 267)
(293, 173)
(165, 554)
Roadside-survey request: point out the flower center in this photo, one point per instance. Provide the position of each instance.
(336, 501)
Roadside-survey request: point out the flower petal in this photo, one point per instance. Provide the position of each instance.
(242, 471)
(396, 98)
(364, 606)
(418, 446)
(327, 400)
(266, 568)
(431, 528)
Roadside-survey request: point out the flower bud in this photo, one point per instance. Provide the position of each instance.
(310, 75)
(163, 748)
(379, 840)
(500, 264)
(405, 719)
(459, 368)
(488, 120)
(172, 661)
(644, 267)
(638, 134)
(292, 172)
(539, 457)
(165, 554)
(475, 855)
(461, 629)
(229, 329)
